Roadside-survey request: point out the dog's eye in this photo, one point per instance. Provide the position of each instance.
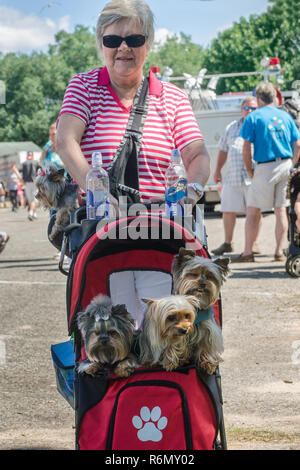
(113, 334)
(192, 275)
(172, 317)
(187, 316)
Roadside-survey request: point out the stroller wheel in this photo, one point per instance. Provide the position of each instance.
(295, 266)
(288, 264)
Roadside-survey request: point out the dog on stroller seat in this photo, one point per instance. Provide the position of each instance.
(293, 253)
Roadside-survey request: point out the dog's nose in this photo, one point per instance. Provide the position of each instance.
(182, 331)
(103, 339)
(202, 285)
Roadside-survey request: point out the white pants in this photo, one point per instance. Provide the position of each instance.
(129, 287)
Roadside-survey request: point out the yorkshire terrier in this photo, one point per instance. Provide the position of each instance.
(108, 333)
(202, 278)
(167, 326)
(54, 192)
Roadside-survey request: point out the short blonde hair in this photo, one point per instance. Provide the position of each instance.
(117, 10)
(248, 99)
(266, 92)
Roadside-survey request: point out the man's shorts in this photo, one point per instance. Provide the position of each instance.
(268, 188)
(234, 198)
(30, 192)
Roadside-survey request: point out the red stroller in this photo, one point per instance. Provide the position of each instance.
(152, 409)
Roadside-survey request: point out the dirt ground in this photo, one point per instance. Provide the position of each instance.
(261, 328)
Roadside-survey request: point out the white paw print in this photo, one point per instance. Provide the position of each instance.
(150, 430)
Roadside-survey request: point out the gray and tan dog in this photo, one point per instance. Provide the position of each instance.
(108, 333)
(54, 192)
(201, 277)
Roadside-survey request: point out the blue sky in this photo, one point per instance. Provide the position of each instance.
(32, 24)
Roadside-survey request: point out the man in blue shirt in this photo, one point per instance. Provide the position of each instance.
(272, 131)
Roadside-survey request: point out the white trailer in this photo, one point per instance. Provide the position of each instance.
(214, 113)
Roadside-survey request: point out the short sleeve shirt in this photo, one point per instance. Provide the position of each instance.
(51, 157)
(170, 123)
(232, 144)
(272, 131)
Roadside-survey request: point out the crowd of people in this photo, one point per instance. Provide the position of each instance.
(262, 148)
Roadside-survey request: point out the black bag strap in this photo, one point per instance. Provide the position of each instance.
(123, 169)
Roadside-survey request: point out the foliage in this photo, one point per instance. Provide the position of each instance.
(275, 33)
(179, 53)
(35, 83)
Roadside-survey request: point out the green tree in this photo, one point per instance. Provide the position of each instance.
(275, 33)
(177, 52)
(36, 83)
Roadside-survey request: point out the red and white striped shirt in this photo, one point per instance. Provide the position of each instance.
(170, 124)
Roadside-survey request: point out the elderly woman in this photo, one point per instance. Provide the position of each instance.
(97, 105)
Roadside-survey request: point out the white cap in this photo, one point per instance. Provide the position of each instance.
(96, 159)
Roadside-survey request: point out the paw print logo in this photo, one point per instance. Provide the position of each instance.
(150, 424)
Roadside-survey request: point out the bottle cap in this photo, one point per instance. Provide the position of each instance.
(176, 156)
(96, 159)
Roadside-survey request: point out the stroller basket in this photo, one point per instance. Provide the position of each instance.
(64, 361)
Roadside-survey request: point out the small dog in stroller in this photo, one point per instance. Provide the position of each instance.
(293, 252)
(108, 333)
(54, 192)
(167, 326)
(201, 277)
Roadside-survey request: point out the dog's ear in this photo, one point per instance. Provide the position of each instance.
(82, 320)
(57, 175)
(182, 258)
(184, 253)
(193, 301)
(148, 301)
(223, 266)
(119, 309)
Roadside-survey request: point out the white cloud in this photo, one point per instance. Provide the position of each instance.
(20, 32)
(162, 34)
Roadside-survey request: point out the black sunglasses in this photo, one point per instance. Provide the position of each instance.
(134, 40)
(246, 108)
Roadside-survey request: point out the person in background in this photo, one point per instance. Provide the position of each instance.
(21, 195)
(236, 182)
(272, 131)
(2, 194)
(14, 177)
(125, 32)
(49, 154)
(3, 240)
(29, 171)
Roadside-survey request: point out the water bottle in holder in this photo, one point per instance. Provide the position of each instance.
(97, 190)
(176, 186)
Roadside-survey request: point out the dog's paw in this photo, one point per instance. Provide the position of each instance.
(208, 367)
(169, 366)
(125, 368)
(53, 233)
(87, 367)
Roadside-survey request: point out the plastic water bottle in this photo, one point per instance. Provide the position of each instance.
(97, 190)
(176, 186)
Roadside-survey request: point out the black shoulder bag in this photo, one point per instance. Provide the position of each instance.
(123, 170)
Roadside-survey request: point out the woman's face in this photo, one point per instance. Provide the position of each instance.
(125, 62)
(52, 135)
